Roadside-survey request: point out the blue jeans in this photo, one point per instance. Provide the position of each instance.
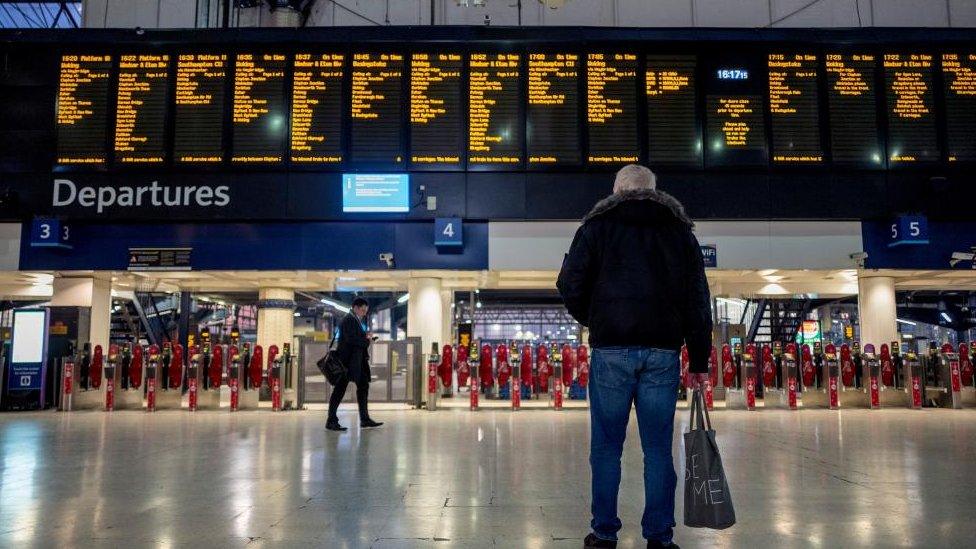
(622, 377)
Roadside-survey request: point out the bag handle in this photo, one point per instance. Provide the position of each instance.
(699, 412)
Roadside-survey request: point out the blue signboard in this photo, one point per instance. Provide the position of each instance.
(448, 232)
(50, 232)
(909, 230)
(28, 350)
(709, 255)
(951, 245)
(375, 193)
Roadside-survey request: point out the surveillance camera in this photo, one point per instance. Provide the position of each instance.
(387, 257)
(140, 31)
(487, 20)
(859, 258)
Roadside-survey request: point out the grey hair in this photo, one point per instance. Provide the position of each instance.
(633, 177)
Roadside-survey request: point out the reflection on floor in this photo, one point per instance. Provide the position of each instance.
(453, 478)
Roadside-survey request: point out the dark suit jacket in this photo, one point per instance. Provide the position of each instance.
(353, 349)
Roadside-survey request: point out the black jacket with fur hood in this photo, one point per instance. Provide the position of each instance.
(634, 275)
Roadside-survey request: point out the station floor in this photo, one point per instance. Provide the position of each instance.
(452, 478)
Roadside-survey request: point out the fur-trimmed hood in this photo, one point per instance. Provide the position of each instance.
(654, 195)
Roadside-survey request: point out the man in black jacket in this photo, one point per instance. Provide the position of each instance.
(353, 352)
(634, 276)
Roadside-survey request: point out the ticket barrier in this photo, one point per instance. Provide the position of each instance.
(772, 393)
(515, 382)
(486, 374)
(153, 373)
(67, 384)
(87, 385)
(252, 377)
(966, 377)
(504, 371)
(578, 389)
(556, 393)
(463, 367)
(446, 371)
(854, 387)
(785, 396)
(743, 397)
(894, 389)
(711, 380)
(527, 381)
(433, 362)
(129, 392)
(827, 393)
(948, 393)
(234, 376)
(203, 393)
(169, 387)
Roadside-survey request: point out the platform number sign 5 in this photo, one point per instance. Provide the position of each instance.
(448, 232)
(50, 232)
(909, 230)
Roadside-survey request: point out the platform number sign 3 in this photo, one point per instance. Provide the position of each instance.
(448, 232)
(909, 230)
(50, 232)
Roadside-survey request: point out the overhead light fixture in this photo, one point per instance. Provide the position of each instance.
(403, 298)
(335, 304)
(945, 316)
(296, 313)
(907, 322)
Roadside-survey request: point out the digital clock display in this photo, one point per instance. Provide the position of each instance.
(732, 74)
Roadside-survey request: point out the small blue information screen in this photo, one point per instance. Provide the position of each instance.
(375, 193)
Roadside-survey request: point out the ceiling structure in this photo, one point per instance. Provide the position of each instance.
(730, 283)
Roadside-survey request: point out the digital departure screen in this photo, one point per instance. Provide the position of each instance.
(959, 83)
(259, 108)
(911, 108)
(436, 122)
(852, 109)
(199, 130)
(611, 108)
(140, 109)
(673, 138)
(82, 108)
(376, 123)
(494, 111)
(793, 107)
(734, 123)
(553, 135)
(316, 108)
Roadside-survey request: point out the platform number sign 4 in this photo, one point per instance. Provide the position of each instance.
(50, 232)
(909, 230)
(448, 232)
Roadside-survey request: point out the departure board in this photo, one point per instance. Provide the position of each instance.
(259, 108)
(959, 83)
(316, 108)
(672, 128)
(793, 107)
(436, 131)
(140, 109)
(852, 108)
(376, 122)
(911, 108)
(494, 110)
(611, 108)
(199, 127)
(82, 108)
(735, 132)
(553, 135)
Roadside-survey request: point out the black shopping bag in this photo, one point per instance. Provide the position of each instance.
(331, 367)
(708, 502)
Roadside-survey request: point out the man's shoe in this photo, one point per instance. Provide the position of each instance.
(370, 423)
(593, 542)
(654, 544)
(334, 426)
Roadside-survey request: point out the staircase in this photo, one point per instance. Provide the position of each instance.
(775, 319)
(144, 315)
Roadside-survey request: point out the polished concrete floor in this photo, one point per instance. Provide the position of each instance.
(890, 478)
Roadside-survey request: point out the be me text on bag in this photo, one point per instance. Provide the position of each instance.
(708, 502)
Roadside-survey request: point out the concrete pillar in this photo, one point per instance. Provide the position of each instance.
(93, 293)
(276, 326)
(877, 309)
(447, 312)
(276, 320)
(425, 311)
